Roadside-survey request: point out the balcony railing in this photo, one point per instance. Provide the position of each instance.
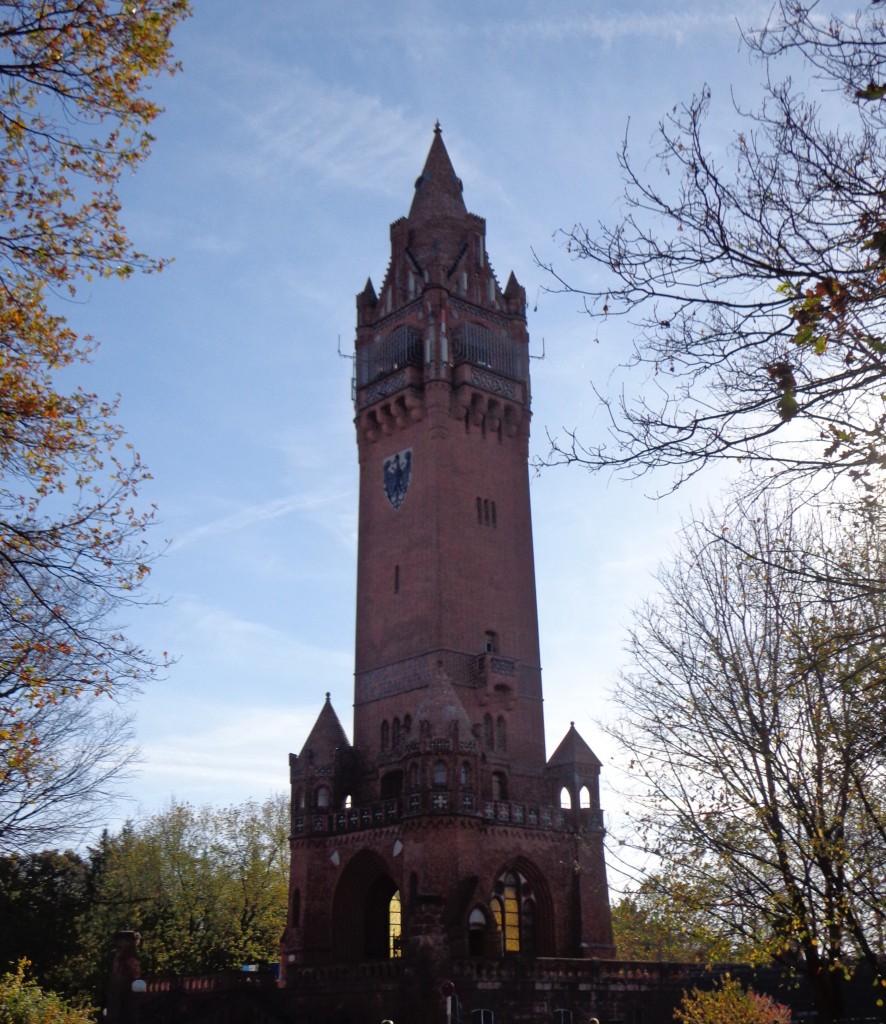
(444, 801)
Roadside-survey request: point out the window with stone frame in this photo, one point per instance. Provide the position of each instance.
(513, 906)
(499, 786)
(501, 735)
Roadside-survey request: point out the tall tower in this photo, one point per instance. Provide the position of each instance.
(442, 836)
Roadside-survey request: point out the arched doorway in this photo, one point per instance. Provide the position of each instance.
(367, 915)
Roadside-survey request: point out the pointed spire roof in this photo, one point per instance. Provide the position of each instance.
(574, 751)
(438, 190)
(326, 736)
(442, 707)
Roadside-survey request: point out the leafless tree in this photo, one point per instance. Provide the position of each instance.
(756, 284)
(752, 714)
(86, 751)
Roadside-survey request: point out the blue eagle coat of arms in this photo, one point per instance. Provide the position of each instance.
(397, 471)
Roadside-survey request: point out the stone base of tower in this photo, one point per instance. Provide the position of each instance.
(511, 991)
(417, 895)
(514, 991)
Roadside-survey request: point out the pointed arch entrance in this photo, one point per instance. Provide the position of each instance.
(366, 912)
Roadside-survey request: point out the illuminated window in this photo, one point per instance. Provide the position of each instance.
(584, 797)
(513, 907)
(565, 799)
(395, 927)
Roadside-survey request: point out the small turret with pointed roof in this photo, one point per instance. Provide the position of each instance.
(324, 739)
(575, 767)
(574, 751)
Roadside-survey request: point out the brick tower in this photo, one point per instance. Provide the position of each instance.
(443, 838)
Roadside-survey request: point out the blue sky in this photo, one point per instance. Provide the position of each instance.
(290, 142)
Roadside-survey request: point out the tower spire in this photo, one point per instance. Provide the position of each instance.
(438, 199)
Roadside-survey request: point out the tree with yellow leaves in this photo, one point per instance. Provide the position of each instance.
(74, 115)
(730, 1004)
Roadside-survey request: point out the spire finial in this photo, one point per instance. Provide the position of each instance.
(327, 696)
(437, 129)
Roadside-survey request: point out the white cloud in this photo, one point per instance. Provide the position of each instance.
(261, 512)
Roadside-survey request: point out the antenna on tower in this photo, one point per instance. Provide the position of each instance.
(352, 356)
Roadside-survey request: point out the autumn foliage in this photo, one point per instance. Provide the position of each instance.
(74, 115)
(730, 1004)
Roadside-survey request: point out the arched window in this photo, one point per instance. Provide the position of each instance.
(395, 927)
(322, 798)
(476, 932)
(513, 907)
(440, 773)
(501, 739)
(565, 799)
(415, 776)
(491, 642)
(499, 786)
(395, 733)
(300, 799)
(407, 725)
(584, 797)
(464, 774)
(385, 735)
(347, 802)
(488, 734)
